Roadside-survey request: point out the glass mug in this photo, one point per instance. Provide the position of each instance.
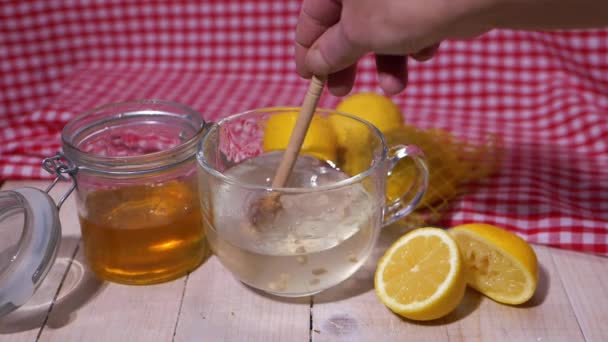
(329, 214)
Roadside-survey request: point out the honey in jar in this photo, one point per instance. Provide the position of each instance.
(143, 234)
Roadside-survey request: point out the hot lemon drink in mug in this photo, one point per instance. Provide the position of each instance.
(330, 215)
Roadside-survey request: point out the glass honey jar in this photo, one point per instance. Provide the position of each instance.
(136, 189)
(132, 166)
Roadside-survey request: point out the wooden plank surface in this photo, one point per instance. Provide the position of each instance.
(217, 307)
(585, 279)
(95, 311)
(548, 316)
(571, 304)
(351, 311)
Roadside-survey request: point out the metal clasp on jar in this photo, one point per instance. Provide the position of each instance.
(65, 170)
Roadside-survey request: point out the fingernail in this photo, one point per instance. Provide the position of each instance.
(390, 84)
(315, 61)
(339, 90)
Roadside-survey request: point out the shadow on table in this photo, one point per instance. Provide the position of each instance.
(472, 299)
(78, 286)
(542, 289)
(295, 300)
(470, 303)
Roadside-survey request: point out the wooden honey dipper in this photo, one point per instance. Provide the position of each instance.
(270, 204)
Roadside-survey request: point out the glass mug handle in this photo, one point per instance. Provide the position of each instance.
(397, 209)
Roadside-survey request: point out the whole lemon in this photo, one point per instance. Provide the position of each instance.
(320, 141)
(354, 138)
(377, 109)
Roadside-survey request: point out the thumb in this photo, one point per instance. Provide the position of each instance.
(333, 51)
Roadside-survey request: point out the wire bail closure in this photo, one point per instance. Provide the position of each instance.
(64, 169)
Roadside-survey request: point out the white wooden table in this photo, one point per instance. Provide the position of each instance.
(571, 305)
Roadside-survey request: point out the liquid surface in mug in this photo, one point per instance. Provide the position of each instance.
(143, 234)
(316, 240)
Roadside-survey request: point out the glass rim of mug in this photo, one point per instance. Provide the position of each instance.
(202, 161)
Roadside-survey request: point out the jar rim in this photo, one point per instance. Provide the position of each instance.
(138, 164)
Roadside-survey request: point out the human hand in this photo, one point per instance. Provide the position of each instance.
(332, 35)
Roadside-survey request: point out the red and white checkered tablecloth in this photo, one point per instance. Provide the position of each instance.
(546, 94)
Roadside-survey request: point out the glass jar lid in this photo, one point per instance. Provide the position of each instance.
(30, 233)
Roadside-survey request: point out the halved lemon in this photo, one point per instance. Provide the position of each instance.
(497, 263)
(420, 276)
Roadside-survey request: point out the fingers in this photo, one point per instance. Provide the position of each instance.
(340, 83)
(392, 70)
(315, 18)
(426, 53)
(332, 52)
(392, 73)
